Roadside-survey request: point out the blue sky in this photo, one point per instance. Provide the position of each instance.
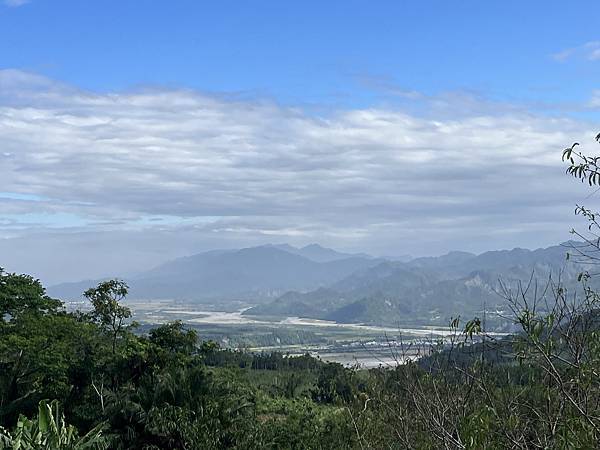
(338, 52)
(150, 129)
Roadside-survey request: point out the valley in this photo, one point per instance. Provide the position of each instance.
(364, 346)
(314, 287)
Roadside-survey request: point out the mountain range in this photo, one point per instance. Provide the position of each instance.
(321, 283)
(427, 290)
(254, 274)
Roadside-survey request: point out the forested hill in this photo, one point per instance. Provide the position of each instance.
(428, 289)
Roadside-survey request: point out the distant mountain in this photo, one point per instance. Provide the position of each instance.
(321, 283)
(400, 258)
(313, 304)
(257, 273)
(428, 289)
(317, 253)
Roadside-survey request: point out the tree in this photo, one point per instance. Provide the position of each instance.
(108, 311)
(21, 294)
(334, 383)
(174, 338)
(585, 168)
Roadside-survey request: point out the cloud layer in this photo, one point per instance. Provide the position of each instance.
(226, 171)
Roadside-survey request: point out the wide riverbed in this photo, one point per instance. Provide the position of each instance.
(238, 318)
(346, 343)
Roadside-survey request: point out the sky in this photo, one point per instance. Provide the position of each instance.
(133, 132)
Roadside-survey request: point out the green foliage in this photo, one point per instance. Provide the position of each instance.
(108, 311)
(162, 390)
(174, 338)
(302, 424)
(472, 327)
(50, 356)
(334, 384)
(50, 432)
(22, 294)
(582, 166)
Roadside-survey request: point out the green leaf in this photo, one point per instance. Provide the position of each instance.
(44, 416)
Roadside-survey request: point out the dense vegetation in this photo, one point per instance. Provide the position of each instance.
(164, 389)
(73, 380)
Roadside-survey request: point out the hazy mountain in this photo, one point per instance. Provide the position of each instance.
(318, 282)
(517, 260)
(256, 273)
(400, 258)
(317, 253)
(425, 289)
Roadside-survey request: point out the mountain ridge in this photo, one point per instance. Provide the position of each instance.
(430, 288)
(252, 273)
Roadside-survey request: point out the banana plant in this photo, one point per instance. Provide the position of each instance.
(50, 432)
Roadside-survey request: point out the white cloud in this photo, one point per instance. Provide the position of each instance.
(221, 170)
(595, 99)
(590, 51)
